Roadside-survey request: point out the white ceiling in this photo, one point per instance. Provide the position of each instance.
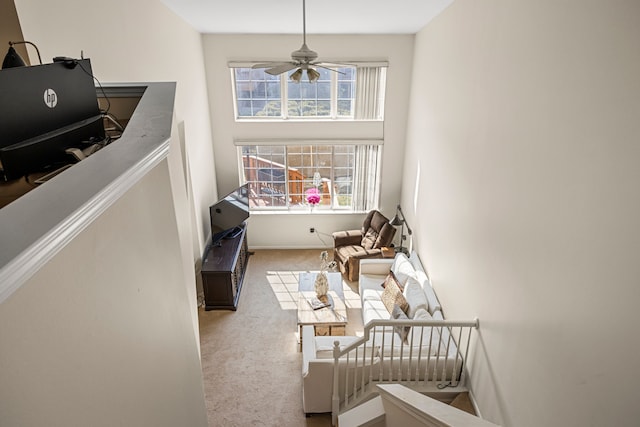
(323, 16)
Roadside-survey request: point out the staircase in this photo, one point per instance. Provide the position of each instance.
(397, 405)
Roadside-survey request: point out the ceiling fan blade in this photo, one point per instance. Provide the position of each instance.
(268, 64)
(335, 64)
(328, 68)
(282, 68)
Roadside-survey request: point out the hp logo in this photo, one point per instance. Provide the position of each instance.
(50, 98)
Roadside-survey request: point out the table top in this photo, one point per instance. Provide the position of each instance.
(334, 315)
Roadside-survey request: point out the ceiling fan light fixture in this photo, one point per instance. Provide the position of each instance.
(296, 75)
(313, 75)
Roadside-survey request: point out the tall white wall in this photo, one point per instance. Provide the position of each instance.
(292, 230)
(101, 335)
(521, 182)
(137, 41)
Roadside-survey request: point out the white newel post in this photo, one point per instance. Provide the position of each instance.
(335, 400)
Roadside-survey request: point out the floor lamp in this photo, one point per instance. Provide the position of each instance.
(397, 220)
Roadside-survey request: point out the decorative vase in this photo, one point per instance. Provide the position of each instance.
(322, 285)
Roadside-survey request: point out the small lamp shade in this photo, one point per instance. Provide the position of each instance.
(296, 75)
(12, 59)
(313, 75)
(396, 221)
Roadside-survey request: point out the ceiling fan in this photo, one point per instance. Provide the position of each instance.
(303, 59)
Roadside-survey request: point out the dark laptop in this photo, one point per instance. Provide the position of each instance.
(44, 110)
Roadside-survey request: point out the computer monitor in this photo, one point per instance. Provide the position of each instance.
(45, 109)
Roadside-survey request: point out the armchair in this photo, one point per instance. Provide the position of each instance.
(350, 246)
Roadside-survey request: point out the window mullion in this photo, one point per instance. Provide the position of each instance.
(286, 178)
(334, 95)
(332, 177)
(284, 107)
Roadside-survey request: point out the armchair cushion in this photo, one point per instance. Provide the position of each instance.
(353, 245)
(376, 231)
(348, 237)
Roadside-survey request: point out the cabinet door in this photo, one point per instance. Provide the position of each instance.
(217, 289)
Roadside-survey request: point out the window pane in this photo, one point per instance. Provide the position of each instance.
(294, 108)
(294, 90)
(348, 73)
(265, 176)
(273, 89)
(346, 92)
(324, 90)
(345, 108)
(260, 89)
(244, 108)
(308, 90)
(324, 108)
(271, 109)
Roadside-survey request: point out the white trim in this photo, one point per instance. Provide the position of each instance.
(287, 141)
(336, 63)
(25, 265)
(42, 222)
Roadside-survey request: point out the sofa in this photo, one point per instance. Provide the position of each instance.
(351, 246)
(389, 349)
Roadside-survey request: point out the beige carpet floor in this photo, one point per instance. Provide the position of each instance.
(250, 357)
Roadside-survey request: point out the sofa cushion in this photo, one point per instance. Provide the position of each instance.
(398, 314)
(372, 295)
(434, 304)
(370, 281)
(425, 337)
(414, 294)
(392, 295)
(324, 346)
(373, 309)
(402, 268)
(447, 339)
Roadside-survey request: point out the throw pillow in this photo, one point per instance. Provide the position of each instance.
(392, 295)
(392, 278)
(398, 314)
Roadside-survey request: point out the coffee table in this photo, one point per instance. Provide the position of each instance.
(328, 320)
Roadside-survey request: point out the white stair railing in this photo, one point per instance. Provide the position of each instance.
(430, 358)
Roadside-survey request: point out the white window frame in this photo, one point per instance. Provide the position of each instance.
(284, 96)
(372, 198)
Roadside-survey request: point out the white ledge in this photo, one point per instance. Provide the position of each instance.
(426, 410)
(34, 228)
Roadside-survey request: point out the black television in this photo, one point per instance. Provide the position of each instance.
(229, 213)
(44, 110)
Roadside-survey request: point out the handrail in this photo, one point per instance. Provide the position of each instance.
(433, 354)
(398, 322)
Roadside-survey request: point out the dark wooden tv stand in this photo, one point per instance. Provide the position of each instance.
(223, 268)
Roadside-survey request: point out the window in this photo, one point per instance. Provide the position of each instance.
(346, 176)
(333, 96)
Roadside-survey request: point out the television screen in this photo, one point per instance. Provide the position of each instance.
(229, 212)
